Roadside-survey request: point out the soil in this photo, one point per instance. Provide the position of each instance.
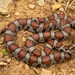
(20, 9)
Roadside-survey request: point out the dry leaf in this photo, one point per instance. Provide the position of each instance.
(56, 6)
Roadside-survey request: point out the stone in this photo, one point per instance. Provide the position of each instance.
(24, 39)
(31, 6)
(41, 2)
(17, 13)
(45, 72)
(4, 6)
(8, 60)
(61, 9)
(26, 67)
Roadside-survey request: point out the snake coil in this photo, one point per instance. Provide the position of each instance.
(41, 27)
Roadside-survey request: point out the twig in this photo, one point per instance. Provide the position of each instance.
(71, 7)
(72, 2)
(67, 4)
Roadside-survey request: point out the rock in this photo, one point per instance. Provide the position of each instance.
(61, 9)
(17, 13)
(56, 6)
(26, 67)
(31, 6)
(23, 39)
(2, 63)
(73, 69)
(8, 60)
(45, 72)
(41, 2)
(4, 6)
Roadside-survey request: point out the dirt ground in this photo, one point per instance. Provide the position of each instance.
(20, 9)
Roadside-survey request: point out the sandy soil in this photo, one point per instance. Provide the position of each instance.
(20, 9)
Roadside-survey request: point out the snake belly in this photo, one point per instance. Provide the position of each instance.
(42, 28)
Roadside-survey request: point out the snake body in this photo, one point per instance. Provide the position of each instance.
(41, 27)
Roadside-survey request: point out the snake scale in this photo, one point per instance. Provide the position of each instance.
(41, 27)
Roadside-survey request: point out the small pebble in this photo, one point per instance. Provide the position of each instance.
(8, 60)
(45, 72)
(73, 69)
(41, 2)
(31, 6)
(4, 6)
(26, 67)
(17, 13)
(23, 39)
(61, 9)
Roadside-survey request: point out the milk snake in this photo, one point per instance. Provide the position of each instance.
(41, 27)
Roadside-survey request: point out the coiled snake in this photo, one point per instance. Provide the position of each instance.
(41, 27)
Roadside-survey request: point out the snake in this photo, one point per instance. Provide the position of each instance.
(42, 29)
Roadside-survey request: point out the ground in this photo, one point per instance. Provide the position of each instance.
(20, 9)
